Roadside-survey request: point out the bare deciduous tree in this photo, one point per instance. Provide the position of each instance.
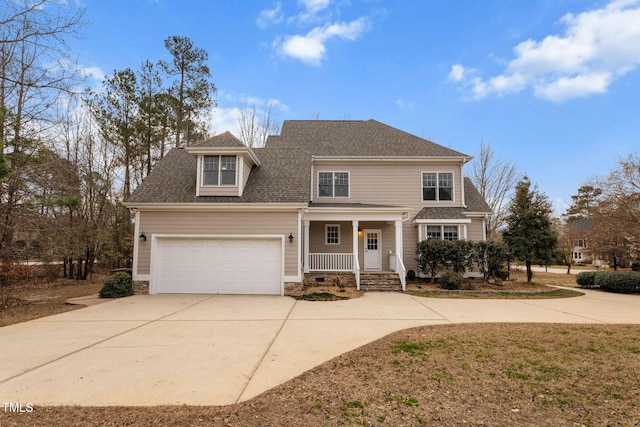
(495, 179)
(35, 69)
(254, 130)
(616, 218)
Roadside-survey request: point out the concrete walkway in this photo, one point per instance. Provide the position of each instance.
(217, 350)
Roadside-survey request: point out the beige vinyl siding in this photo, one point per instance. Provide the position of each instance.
(246, 171)
(219, 191)
(474, 230)
(203, 222)
(388, 183)
(317, 238)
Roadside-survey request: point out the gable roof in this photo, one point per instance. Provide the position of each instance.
(226, 139)
(355, 138)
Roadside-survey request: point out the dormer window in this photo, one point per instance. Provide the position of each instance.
(219, 170)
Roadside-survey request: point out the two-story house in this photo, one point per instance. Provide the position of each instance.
(323, 196)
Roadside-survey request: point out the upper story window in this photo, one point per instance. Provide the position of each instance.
(581, 243)
(333, 184)
(437, 186)
(219, 170)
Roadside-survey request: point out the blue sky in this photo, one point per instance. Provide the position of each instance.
(552, 85)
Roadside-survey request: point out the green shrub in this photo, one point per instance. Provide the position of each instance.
(450, 280)
(586, 279)
(618, 281)
(502, 274)
(117, 286)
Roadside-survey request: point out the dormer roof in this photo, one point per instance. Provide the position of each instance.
(225, 143)
(226, 139)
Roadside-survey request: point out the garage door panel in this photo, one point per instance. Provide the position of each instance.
(218, 266)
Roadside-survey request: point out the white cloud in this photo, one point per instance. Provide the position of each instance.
(597, 46)
(310, 48)
(311, 8)
(314, 6)
(94, 78)
(566, 88)
(456, 74)
(404, 104)
(226, 118)
(270, 16)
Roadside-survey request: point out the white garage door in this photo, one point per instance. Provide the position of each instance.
(218, 266)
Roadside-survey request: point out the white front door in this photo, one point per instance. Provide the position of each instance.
(372, 250)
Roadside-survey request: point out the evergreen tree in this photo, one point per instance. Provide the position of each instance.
(529, 234)
(583, 203)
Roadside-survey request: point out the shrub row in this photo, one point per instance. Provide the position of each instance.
(613, 281)
(586, 279)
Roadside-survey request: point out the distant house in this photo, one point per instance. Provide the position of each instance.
(349, 197)
(581, 255)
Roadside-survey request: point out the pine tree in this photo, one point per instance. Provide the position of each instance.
(529, 233)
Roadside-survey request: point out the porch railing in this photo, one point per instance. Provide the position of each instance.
(331, 262)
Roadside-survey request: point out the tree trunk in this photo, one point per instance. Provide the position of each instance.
(569, 268)
(79, 270)
(529, 272)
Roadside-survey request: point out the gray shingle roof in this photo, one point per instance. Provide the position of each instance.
(355, 138)
(282, 177)
(226, 139)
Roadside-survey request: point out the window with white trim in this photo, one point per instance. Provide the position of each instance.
(219, 170)
(437, 186)
(332, 234)
(333, 184)
(444, 232)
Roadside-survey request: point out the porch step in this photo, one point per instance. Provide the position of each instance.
(383, 281)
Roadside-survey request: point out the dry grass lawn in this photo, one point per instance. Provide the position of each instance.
(447, 375)
(20, 303)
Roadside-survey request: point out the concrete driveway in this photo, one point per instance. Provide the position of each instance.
(222, 349)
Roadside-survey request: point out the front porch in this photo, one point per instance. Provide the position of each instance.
(357, 240)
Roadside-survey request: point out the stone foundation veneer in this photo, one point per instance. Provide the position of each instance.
(293, 289)
(141, 287)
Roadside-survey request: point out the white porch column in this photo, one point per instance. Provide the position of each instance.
(306, 246)
(399, 241)
(355, 240)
